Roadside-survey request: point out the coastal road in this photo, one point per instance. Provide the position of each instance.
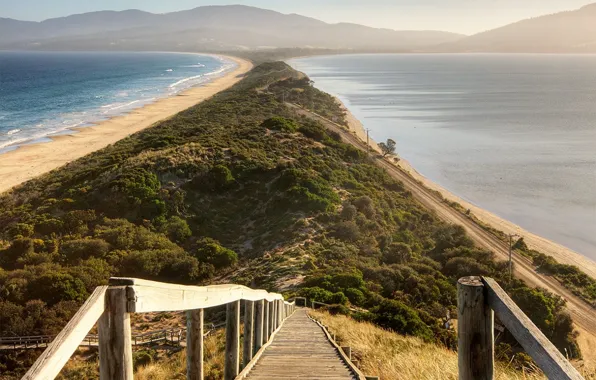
(583, 314)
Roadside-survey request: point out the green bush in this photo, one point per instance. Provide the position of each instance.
(53, 287)
(398, 317)
(210, 251)
(84, 248)
(177, 229)
(20, 230)
(279, 123)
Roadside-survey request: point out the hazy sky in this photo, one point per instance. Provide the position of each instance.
(463, 16)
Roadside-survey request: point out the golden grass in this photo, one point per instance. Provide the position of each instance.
(174, 367)
(392, 356)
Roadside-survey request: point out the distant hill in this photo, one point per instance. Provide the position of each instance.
(565, 32)
(233, 27)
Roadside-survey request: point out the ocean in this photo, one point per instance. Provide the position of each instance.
(512, 134)
(44, 94)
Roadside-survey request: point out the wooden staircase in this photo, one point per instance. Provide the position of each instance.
(280, 341)
(301, 350)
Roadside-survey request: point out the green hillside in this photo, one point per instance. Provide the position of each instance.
(240, 187)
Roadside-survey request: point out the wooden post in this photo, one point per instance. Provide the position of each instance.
(115, 346)
(195, 330)
(475, 323)
(266, 325)
(232, 359)
(280, 312)
(271, 319)
(259, 325)
(249, 327)
(347, 351)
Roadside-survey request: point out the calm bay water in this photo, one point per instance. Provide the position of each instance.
(44, 94)
(513, 134)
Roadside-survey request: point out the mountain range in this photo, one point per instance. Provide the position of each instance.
(234, 27)
(238, 27)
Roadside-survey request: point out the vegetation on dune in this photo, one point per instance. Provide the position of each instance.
(241, 187)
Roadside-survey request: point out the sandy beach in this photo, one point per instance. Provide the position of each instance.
(560, 253)
(30, 161)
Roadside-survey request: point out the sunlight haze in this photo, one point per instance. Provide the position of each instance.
(460, 16)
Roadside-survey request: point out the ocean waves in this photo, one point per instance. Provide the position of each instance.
(86, 97)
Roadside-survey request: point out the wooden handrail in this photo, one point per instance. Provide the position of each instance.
(49, 364)
(479, 299)
(112, 305)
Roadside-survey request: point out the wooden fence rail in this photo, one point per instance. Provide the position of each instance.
(174, 336)
(479, 299)
(112, 305)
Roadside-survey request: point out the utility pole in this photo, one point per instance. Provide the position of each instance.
(511, 236)
(368, 140)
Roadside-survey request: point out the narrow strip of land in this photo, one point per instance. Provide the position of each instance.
(583, 314)
(30, 161)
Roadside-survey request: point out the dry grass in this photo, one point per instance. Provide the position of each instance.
(174, 367)
(392, 356)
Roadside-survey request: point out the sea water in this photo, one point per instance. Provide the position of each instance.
(513, 134)
(44, 94)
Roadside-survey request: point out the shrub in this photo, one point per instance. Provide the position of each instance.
(84, 248)
(22, 230)
(349, 212)
(210, 251)
(355, 296)
(365, 205)
(397, 253)
(346, 231)
(53, 287)
(220, 177)
(397, 316)
(279, 123)
(176, 229)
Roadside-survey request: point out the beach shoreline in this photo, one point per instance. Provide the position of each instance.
(32, 160)
(560, 253)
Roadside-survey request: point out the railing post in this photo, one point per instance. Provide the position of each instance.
(279, 312)
(271, 319)
(249, 326)
(232, 359)
(266, 325)
(115, 347)
(195, 329)
(259, 324)
(475, 321)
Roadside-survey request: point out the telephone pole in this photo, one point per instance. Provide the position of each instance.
(368, 140)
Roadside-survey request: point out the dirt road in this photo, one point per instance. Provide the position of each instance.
(583, 314)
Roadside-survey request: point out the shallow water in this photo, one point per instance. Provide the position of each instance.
(44, 93)
(513, 134)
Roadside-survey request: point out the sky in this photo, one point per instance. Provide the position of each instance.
(460, 16)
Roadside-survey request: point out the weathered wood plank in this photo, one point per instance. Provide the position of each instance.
(545, 354)
(232, 353)
(266, 328)
(299, 349)
(155, 298)
(249, 328)
(475, 331)
(271, 318)
(50, 363)
(195, 330)
(259, 325)
(115, 346)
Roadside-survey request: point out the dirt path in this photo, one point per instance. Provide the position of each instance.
(583, 314)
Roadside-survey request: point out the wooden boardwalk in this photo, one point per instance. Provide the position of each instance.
(301, 350)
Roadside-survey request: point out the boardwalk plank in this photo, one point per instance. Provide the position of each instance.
(300, 350)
